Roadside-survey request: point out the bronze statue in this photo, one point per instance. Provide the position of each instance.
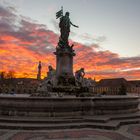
(64, 26)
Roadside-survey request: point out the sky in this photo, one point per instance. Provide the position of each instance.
(106, 42)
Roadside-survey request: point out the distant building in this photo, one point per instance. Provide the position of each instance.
(134, 86)
(110, 86)
(19, 85)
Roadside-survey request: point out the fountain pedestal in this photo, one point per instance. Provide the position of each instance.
(64, 65)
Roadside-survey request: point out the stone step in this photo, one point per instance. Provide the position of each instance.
(106, 118)
(57, 120)
(40, 120)
(111, 125)
(31, 126)
(52, 119)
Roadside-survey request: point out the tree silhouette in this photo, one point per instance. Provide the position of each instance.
(122, 90)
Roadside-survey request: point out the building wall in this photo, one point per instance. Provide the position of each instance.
(106, 90)
(115, 90)
(133, 89)
(18, 89)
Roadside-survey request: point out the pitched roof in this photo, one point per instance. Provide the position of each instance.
(134, 83)
(115, 82)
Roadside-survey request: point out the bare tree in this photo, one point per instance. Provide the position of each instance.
(10, 75)
(2, 75)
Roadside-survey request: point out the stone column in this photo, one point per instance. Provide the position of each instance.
(64, 64)
(39, 71)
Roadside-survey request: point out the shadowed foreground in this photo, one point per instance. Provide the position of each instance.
(128, 132)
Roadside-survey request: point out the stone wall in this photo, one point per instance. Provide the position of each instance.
(54, 107)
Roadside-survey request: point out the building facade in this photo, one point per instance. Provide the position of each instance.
(19, 85)
(115, 85)
(110, 86)
(134, 87)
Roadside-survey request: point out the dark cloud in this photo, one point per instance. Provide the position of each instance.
(6, 12)
(128, 61)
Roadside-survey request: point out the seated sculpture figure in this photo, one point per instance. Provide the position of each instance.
(51, 72)
(79, 76)
(51, 76)
(45, 87)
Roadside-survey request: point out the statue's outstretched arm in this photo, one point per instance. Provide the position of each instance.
(74, 25)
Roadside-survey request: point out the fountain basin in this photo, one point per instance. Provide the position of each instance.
(67, 106)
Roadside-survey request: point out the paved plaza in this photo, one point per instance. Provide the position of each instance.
(128, 132)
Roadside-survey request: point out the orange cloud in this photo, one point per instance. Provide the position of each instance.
(22, 45)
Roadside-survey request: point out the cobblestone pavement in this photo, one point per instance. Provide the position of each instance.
(128, 132)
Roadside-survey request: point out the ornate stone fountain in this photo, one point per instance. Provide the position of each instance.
(63, 79)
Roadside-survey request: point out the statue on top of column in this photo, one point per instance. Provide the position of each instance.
(64, 26)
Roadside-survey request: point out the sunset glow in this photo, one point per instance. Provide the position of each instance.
(23, 43)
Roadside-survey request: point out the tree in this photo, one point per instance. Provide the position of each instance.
(10, 75)
(2, 75)
(122, 90)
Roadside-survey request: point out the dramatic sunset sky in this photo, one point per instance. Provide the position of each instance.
(107, 42)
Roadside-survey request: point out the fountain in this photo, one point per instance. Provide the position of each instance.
(62, 80)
